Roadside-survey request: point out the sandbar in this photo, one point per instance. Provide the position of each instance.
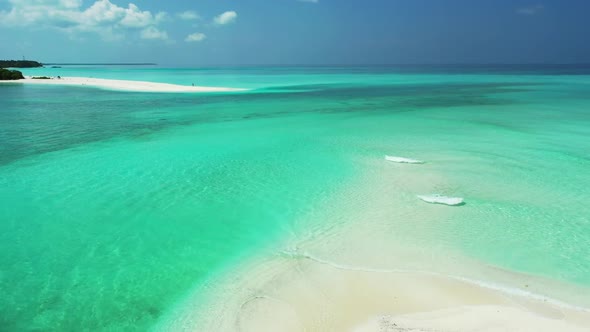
(121, 85)
(366, 274)
(304, 294)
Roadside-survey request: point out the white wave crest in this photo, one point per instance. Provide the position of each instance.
(440, 199)
(403, 160)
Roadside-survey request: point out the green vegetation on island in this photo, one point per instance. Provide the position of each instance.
(19, 64)
(10, 75)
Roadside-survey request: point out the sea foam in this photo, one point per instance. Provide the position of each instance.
(440, 199)
(403, 160)
(298, 254)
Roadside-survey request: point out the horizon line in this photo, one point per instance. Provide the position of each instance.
(99, 63)
(321, 65)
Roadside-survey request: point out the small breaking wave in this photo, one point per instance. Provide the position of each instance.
(403, 160)
(440, 199)
(296, 253)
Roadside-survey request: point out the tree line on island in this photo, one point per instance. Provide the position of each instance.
(10, 75)
(13, 75)
(19, 64)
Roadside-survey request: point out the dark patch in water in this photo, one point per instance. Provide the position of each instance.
(45, 119)
(153, 311)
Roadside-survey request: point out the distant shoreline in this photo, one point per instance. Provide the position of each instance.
(99, 64)
(121, 85)
(20, 64)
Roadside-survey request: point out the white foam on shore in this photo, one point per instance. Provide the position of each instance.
(440, 199)
(296, 254)
(121, 85)
(403, 160)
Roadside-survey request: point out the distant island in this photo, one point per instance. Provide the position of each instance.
(10, 75)
(35, 64)
(13, 75)
(19, 64)
(58, 64)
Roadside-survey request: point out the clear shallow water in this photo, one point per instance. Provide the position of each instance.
(114, 205)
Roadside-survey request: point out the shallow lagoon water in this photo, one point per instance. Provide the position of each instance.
(115, 205)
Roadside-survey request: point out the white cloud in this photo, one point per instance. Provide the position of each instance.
(153, 33)
(531, 10)
(226, 18)
(102, 17)
(136, 18)
(195, 37)
(189, 15)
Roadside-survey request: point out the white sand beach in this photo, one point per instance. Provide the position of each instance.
(121, 85)
(306, 295)
(362, 278)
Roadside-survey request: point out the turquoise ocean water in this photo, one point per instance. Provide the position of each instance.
(114, 205)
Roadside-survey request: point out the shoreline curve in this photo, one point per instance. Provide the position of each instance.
(121, 85)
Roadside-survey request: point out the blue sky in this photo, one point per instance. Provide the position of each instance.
(238, 32)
